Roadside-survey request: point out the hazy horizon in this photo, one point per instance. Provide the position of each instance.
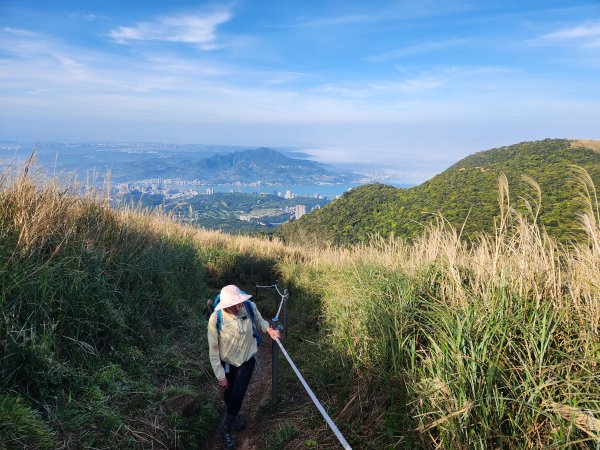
(407, 88)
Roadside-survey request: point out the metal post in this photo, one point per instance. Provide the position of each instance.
(275, 367)
(285, 321)
(276, 296)
(275, 355)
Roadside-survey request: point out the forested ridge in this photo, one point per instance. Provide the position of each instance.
(466, 194)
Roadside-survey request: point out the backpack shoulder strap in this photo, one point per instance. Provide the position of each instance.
(252, 315)
(250, 310)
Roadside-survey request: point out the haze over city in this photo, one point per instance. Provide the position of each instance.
(406, 88)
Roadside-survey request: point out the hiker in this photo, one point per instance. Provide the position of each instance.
(232, 342)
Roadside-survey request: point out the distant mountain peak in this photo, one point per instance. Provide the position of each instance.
(265, 165)
(268, 155)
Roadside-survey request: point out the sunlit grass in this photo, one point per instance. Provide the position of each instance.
(87, 295)
(495, 341)
(492, 343)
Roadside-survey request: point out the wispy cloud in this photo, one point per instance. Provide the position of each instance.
(477, 71)
(408, 86)
(17, 32)
(401, 10)
(199, 29)
(411, 50)
(88, 17)
(586, 35)
(342, 20)
(371, 90)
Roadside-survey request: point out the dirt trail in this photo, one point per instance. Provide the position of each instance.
(259, 392)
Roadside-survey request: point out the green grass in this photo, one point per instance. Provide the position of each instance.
(97, 309)
(488, 345)
(283, 434)
(22, 426)
(433, 344)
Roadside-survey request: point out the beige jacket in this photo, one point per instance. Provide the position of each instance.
(235, 344)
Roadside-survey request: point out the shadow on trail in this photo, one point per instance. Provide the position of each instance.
(370, 411)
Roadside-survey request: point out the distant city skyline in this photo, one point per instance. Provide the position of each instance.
(405, 88)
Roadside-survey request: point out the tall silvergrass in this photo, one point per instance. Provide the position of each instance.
(496, 342)
(87, 294)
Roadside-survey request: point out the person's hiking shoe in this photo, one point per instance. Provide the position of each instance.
(227, 439)
(239, 423)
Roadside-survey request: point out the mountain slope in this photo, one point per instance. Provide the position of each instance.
(469, 188)
(264, 164)
(246, 166)
(143, 161)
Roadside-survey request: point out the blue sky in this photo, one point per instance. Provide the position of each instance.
(408, 87)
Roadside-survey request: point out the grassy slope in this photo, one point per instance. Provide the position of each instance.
(440, 345)
(467, 189)
(102, 338)
(422, 345)
(98, 327)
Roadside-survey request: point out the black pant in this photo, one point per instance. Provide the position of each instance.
(238, 378)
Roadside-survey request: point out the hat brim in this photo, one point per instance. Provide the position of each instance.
(236, 300)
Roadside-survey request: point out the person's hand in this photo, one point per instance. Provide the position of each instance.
(273, 333)
(223, 384)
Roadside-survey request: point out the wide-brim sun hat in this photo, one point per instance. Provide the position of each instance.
(231, 295)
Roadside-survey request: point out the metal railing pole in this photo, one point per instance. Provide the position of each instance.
(286, 294)
(275, 358)
(275, 368)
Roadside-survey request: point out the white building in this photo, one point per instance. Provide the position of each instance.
(300, 211)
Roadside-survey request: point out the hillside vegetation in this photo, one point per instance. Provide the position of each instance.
(99, 325)
(428, 344)
(222, 211)
(489, 345)
(102, 336)
(465, 193)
